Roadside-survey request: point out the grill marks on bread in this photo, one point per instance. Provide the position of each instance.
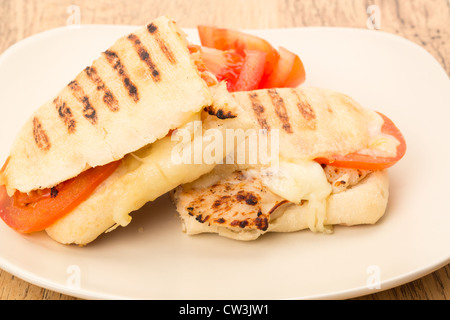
(280, 109)
(305, 109)
(40, 135)
(258, 109)
(88, 110)
(145, 56)
(219, 113)
(67, 113)
(153, 30)
(114, 60)
(108, 97)
(287, 109)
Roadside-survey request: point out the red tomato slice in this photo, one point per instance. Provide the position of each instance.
(297, 75)
(227, 39)
(200, 64)
(242, 72)
(38, 210)
(252, 71)
(225, 65)
(368, 162)
(289, 72)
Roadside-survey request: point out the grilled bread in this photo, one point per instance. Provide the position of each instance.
(311, 122)
(139, 89)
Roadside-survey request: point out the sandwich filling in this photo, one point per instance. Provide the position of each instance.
(245, 203)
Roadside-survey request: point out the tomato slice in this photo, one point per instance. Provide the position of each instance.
(200, 64)
(363, 161)
(252, 71)
(227, 39)
(289, 72)
(39, 209)
(242, 72)
(225, 65)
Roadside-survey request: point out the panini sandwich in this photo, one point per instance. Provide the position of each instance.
(101, 148)
(331, 169)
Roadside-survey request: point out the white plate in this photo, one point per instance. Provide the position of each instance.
(153, 259)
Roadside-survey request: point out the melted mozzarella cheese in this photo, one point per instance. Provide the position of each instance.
(141, 177)
(302, 180)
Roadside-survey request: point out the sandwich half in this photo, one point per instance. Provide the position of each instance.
(330, 168)
(98, 150)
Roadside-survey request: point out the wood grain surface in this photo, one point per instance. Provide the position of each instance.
(425, 22)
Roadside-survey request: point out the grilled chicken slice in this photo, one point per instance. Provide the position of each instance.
(343, 178)
(238, 202)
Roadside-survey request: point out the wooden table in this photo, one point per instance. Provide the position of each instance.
(424, 22)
